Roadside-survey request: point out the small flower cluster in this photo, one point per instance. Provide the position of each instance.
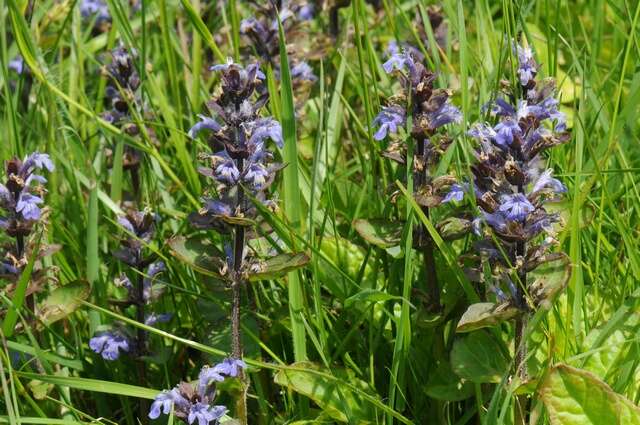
(430, 109)
(195, 402)
(140, 227)
(21, 197)
(240, 163)
(510, 182)
(121, 93)
(122, 98)
(262, 34)
(96, 11)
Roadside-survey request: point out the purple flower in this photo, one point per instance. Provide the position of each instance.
(526, 65)
(306, 12)
(108, 345)
(516, 207)
(17, 64)
(545, 180)
(28, 206)
(263, 129)
(495, 220)
(303, 72)
(206, 377)
(502, 108)
(388, 121)
(216, 207)
(206, 123)
(398, 61)
(230, 367)
(227, 172)
(37, 160)
(205, 414)
(165, 401)
(506, 130)
(256, 175)
(147, 283)
(444, 115)
(482, 131)
(126, 224)
(154, 318)
(456, 193)
(99, 8)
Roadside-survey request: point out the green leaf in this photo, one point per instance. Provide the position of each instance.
(198, 252)
(94, 385)
(371, 296)
(482, 315)
(380, 232)
(291, 195)
(333, 396)
(479, 358)
(63, 301)
(279, 265)
(549, 279)
(202, 29)
(445, 385)
(577, 397)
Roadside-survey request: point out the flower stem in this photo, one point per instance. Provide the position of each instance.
(520, 342)
(236, 338)
(142, 339)
(424, 239)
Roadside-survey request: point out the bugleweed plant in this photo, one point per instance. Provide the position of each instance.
(512, 189)
(241, 169)
(429, 109)
(365, 212)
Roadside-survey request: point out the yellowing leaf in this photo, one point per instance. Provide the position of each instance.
(577, 397)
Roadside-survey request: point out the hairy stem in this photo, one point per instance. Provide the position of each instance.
(424, 239)
(520, 342)
(236, 338)
(141, 340)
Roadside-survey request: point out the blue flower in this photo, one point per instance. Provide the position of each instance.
(388, 120)
(495, 220)
(217, 207)
(256, 175)
(17, 64)
(502, 108)
(28, 206)
(230, 367)
(303, 72)
(515, 207)
(545, 180)
(526, 65)
(206, 123)
(203, 413)
(456, 193)
(165, 401)
(263, 129)
(108, 345)
(444, 115)
(398, 61)
(306, 12)
(228, 172)
(206, 377)
(37, 160)
(482, 131)
(506, 130)
(154, 318)
(147, 283)
(99, 8)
